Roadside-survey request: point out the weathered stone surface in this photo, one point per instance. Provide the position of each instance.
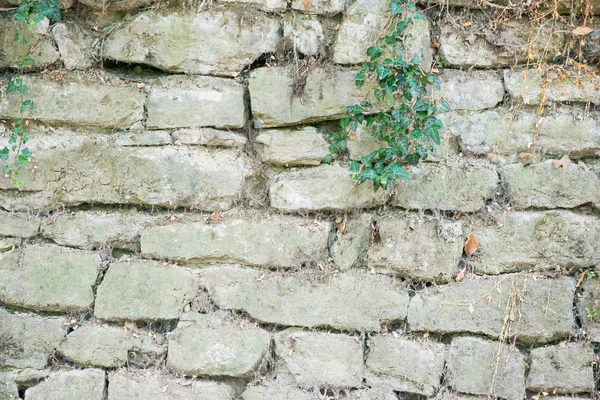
(328, 187)
(8, 388)
(542, 185)
(589, 302)
(321, 359)
(351, 241)
(75, 44)
(565, 368)
(348, 301)
(519, 241)
(476, 366)
(212, 42)
(108, 347)
(511, 43)
(28, 340)
(413, 248)
(326, 7)
(148, 138)
(264, 5)
(70, 385)
(292, 147)
(209, 137)
(74, 169)
(150, 386)
(274, 391)
(215, 347)
(324, 95)
(78, 100)
(543, 312)
(19, 41)
(164, 292)
(406, 365)
(7, 244)
(470, 90)
(457, 184)
(94, 229)
(502, 131)
(527, 85)
(48, 278)
(184, 101)
(304, 35)
(282, 241)
(116, 5)
(21, 226)
(591, 47)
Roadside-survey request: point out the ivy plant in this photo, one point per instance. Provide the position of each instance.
(409, 126)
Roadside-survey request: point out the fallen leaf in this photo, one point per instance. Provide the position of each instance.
(564, 162)
(140, 85)
(471, 245)
(215, 217)
(582, 30)
(466, 24)
(471, 309)
(461, 274)
(306, 4)
(435, 44)
(580, 280)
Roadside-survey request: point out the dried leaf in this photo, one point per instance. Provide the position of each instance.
(581, 278)
(564, 162)
(215, 217)
(471, 245)
(471, 309)
(582, 30)
(466, 24)
(306, 4)
(461, 274)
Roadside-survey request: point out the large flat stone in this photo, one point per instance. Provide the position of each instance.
(163, 294)
(147, 385)
(17, 225)
(272, 241)
(279, 98)
(179, 101)
(28, 340)
(212, 346)
(292, 147)
(84, 100)
(518, 241)
(347, 302)
(19, 41)
(542, 185)
(565, 369)
(275, 391)
(477, 366)
(413, 248)
(453, 185)
(317, 359)
(543, 313)
(70, 385)
(405, 365)
(211, 42)
(327, 187)
(304, 34)
(49, 278)
(470, 90)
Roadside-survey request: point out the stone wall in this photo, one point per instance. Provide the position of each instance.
(178, 235)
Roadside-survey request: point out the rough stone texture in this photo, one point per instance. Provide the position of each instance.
(456, 184)
(292, 147)
(273, 391)
(213, 42)
(325, 7)
(304, 35)
(117, 5)
(48, 278)
(27, 340)
(184, 101)
(505, 47)
(328, 187)
(321, 359)
(406, 365)
(351, 241)
(75, 44)
(17, 225)
(527, 85)
(323, 95)
(31, 41)
(209, 137)
(480, 367)
(8, 388)
(591, 48)
(148, 386)
(542, 314)
(91, 230)
(590, 301)
(78, 100)
(348, 301)
(411, 247)
(542, 185)
(518, 241)
(469, 90)
(283, 241)
(70, 385)
(214, 347)
(502, 131)
(149, 138)
(108, 347)
(565, 368)
(164, 292)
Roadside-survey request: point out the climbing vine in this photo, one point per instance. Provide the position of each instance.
(408, 126)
